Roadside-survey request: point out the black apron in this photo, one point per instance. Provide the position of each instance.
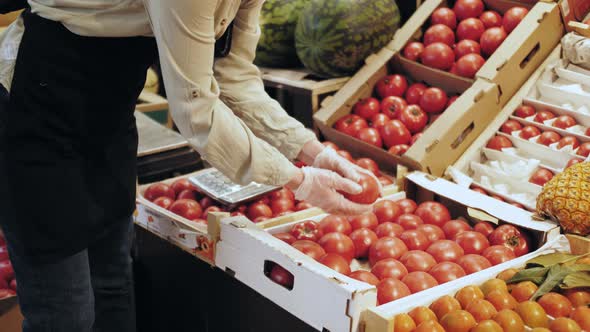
(68, 140)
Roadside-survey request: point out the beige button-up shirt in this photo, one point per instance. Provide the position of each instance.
(220, 106)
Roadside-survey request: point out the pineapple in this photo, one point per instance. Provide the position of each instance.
(566, 199)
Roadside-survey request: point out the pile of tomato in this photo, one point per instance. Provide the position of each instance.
(398, 114)
(496, 307)
(409, 247)
(460, 39)
(7, 279)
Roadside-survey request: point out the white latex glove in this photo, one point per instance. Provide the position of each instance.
(330, 159)
(320, 188)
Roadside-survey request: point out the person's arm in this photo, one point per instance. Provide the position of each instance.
(185, 33)
(243, 91)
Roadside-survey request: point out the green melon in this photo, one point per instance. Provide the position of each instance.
(334, 37)
(276, 47)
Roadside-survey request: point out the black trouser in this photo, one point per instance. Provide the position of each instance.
(68, 146)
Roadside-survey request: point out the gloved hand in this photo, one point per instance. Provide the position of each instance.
(320, 188)
(329, 159)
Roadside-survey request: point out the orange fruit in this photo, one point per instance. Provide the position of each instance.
(487, 326)
(468, 294)
(422, 314)
(563, 324)
(458, 321)
(493, 285)
(501, 300)
(481, 310)
(532, 314)
(578, 297)
(444, 305)
(429, 326)
(510, 321)
(404, 323)
(540, 329)
(523, 291)
(507, 274)
(582, 316)
(556, 305)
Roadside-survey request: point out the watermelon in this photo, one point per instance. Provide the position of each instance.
(276, 47)
(334, 37)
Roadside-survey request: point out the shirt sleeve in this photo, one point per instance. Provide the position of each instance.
(243, 91)
(185, 33)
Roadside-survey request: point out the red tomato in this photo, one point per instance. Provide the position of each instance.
(415, 138)
(568, 140)
(510, 237)
(387, 247)
(468, 8)
(541, 176)
(415, 239)
(528, 132)
(187, 194)
(468, 65)
(164, 202)
(210, 209)
(186, 208)
(473, 263)
(395, 132)
(379, 120)
(390, 289)
(513, 17)
(158, 190)
(285, 237)
(259, 210)
(310, 248)
(6, 270)
(472, 242)
(499, 143)
(491, 19)
(485, 228)
(3, 253)
(307, 230)
(434, 100)
(407, 205)
(282, 193)
(445, 251)
(447, 271)
(466, 46)
(363, 239)
(392, 106)
(384, 181)
(414, 118)
(409, 221)
(346, 155)
(509, 126)
(389, 268)
(282, 205)
(389, 229)
(433, 213)
(181, 185)
(439, 33)
(444, 16)
(524, 111)
(417, 260)
(452, 100)
(367, 107)
(584, 150)
(573, 162)
(432, 232)
(549, 137)
(334, 223)
(392, 85)
(206, 202)
(302, 206)
(281, 276)
(543, 116)
(351, 124)
(498, 254)
(564, 122)
(438, 55)
(491, 39)
(369, 164)
(454, 227)
(370, 136)
(365, 276)
(338, 243)
(419, 281)
(413, 51)
(470, 28)
(414, 93)
(398, 150)
(336, 263)
(367, 220)
(370, 191)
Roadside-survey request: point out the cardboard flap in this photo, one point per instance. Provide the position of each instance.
(481, 215)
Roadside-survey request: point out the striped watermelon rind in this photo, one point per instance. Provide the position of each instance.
(334, 37)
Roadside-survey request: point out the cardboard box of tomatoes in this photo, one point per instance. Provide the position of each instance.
(328, 269)
(543, 130)
(575, 15)
(489, 291)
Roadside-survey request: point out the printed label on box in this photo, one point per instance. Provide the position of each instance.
(158, 223)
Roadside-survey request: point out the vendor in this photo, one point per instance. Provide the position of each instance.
(68, 141)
